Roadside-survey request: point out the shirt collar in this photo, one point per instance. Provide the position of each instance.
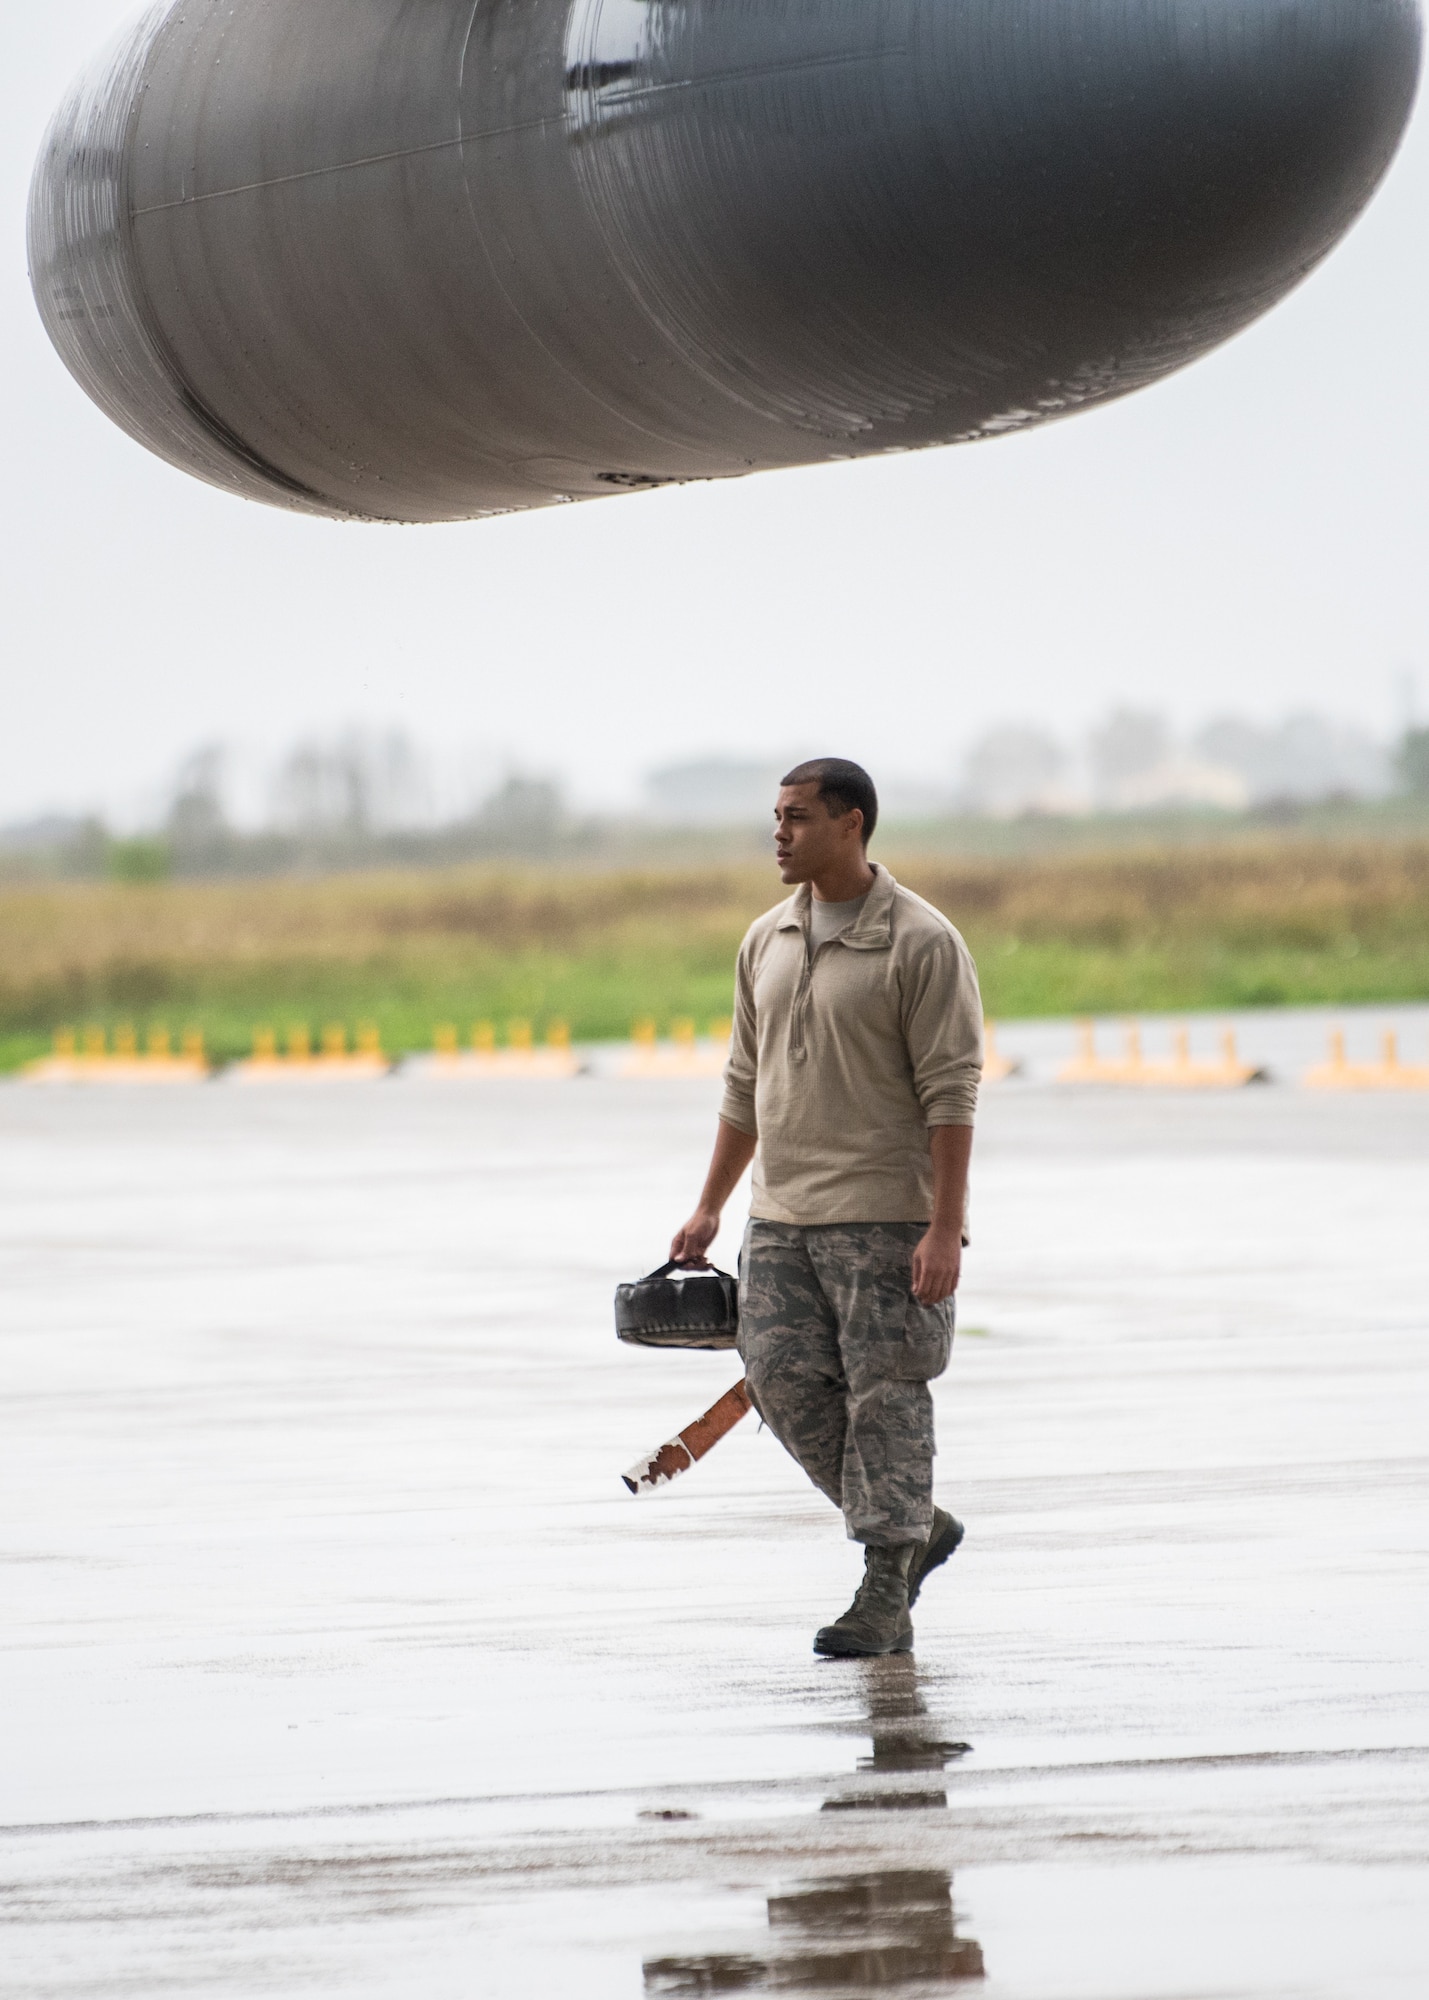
(873, 928)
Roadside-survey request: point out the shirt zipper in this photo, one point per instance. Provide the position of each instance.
(802, 995)
(803, 992)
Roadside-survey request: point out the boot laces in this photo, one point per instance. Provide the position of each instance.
(878, 1578)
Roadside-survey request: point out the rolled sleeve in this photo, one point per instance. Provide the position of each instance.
(741, 1071)
(942, 1025)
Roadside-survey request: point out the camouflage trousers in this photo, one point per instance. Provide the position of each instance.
(839, 1355)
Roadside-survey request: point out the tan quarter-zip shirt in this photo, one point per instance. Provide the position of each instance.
(842, 1058)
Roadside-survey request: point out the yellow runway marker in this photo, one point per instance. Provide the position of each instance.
(995, 1065)
(94, 1063)
(520, 1057)
(682, 1056)
(333, 1063)
(1182, 1071)
(1389, 1073)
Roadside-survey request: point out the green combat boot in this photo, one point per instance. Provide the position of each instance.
(945, 1536)
(877, 1621)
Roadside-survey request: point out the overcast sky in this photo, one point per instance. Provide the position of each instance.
(1249, 535)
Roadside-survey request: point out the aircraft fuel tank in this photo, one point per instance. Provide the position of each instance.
(422, 260)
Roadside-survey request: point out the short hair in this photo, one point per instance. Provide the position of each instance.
(842, 786)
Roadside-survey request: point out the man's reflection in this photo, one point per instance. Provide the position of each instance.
(858, 1933)
(904, 1740)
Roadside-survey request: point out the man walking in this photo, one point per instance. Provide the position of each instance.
(854, 1072)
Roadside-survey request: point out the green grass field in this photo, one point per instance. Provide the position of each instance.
(1271, 921)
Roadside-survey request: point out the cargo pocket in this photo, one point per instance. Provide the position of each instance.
(927, 1340)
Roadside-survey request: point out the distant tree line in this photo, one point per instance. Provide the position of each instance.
(356, 802)
(368, 801)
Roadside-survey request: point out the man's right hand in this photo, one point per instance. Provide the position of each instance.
(733, 1151)
(691, 1242)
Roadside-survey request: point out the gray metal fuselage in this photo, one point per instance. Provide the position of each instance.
(418, 260)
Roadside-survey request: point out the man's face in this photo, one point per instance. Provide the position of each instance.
(806, 839)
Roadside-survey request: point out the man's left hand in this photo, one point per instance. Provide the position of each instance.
(937, 1263)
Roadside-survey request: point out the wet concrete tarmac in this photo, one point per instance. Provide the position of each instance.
(337, 1660)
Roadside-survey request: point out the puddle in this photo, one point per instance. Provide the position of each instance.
(853, 1934)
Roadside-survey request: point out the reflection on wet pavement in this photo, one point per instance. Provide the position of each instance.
(903, 1741)
(854, 1934)
(849, 1934)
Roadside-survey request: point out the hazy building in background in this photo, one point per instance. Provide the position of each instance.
(1123, 749)
(1015, 770)
(1129, 763)
(1133, 761)
(1304, 757)
(1135, 765)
